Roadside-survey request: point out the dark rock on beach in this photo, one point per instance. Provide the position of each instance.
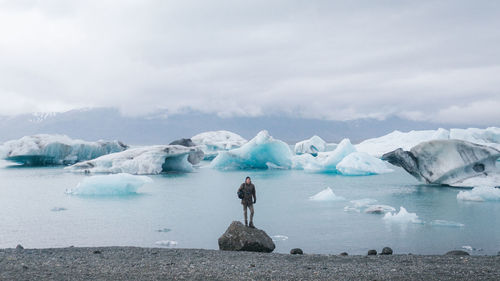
(241, 238)
(386, 251)
(344, 254)
(372, 252)
(19, 247)
(296, 251)
(457, 253)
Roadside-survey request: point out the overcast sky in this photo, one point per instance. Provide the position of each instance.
(423, 60)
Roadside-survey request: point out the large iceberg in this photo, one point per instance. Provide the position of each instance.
(480, 194)
(214, 141)
(117, 184)
(378, 146)
(311, 146)
(445, 161)
(145, 160)
(261, 152)
(390, 142)
(43, 149)
(362, 164)
(343, 160)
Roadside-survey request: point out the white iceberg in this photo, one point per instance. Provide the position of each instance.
(324, 161)
(362, 164)
(392, 141)
(144, 160)
(43, 149)
(491, 180)
(406, 140)
(106, 185)
(402, 217)
(261, 152)
(446, 161)
(326, 195)
(446, 223)
(278, 237)
(480, 194)
(214, 141)
(311, 146)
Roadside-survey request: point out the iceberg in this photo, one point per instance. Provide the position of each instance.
(406, 140)
(311, 146)
(362, 164)
(359, 203)
(261, 152)
(480, 194)
(106, 185)
(214, 141)
(446, 223)
(402, 216)
(445, 161)
(144, 160)
(43, 149)
(324, 161)
(326, 195)
(491, 180)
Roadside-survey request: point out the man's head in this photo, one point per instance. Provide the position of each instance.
(248, 180)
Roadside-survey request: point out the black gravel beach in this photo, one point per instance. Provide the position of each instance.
(131, 263)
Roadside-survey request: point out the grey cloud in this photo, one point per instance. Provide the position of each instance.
(424, 60)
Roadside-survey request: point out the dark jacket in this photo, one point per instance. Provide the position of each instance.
(248, 193)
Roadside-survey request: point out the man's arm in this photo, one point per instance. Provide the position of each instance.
(254, 195)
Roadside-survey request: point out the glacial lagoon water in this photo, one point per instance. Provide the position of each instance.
(192, 210)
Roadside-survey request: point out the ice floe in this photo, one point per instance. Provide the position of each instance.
(145, 160)
(446, 223)
(480, 194)
(403, 216)
(214, 141)
(326, 195)
(105, 185)
(261, 152)
(279, 238)
(43, 149)
(166, 243)
(362, 164)
(446, 161)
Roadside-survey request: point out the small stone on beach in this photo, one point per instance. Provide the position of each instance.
(296, 251)
(372, 252)
(386, 251)
(344, 254)
(457, 253)
(19, 247)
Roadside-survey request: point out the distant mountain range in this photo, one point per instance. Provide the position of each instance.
(108, 123)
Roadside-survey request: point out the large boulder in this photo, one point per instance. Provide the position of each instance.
(241, 238)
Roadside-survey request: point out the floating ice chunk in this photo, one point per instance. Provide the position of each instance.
(166, 243)
(362, 164)
(326, 195)
(145, 160)
(360, 203)
(261, 152)
(378, 146)
(279, 238)
(379, 209)
(445, 161)
(214, 141)
(402, 217)
(351, 209)
(116, 184)
(58, 209)
(324, 161)
(41, 150)
(492, 180)
(446, 223)
(311, 146)
(480, 194)
(468, 248)
(164, 230)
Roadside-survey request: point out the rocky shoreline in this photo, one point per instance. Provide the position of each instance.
(132, 263)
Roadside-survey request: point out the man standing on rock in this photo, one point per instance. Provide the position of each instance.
(249, 198)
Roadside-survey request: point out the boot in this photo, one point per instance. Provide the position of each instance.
(251, 224)
(246, 223)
